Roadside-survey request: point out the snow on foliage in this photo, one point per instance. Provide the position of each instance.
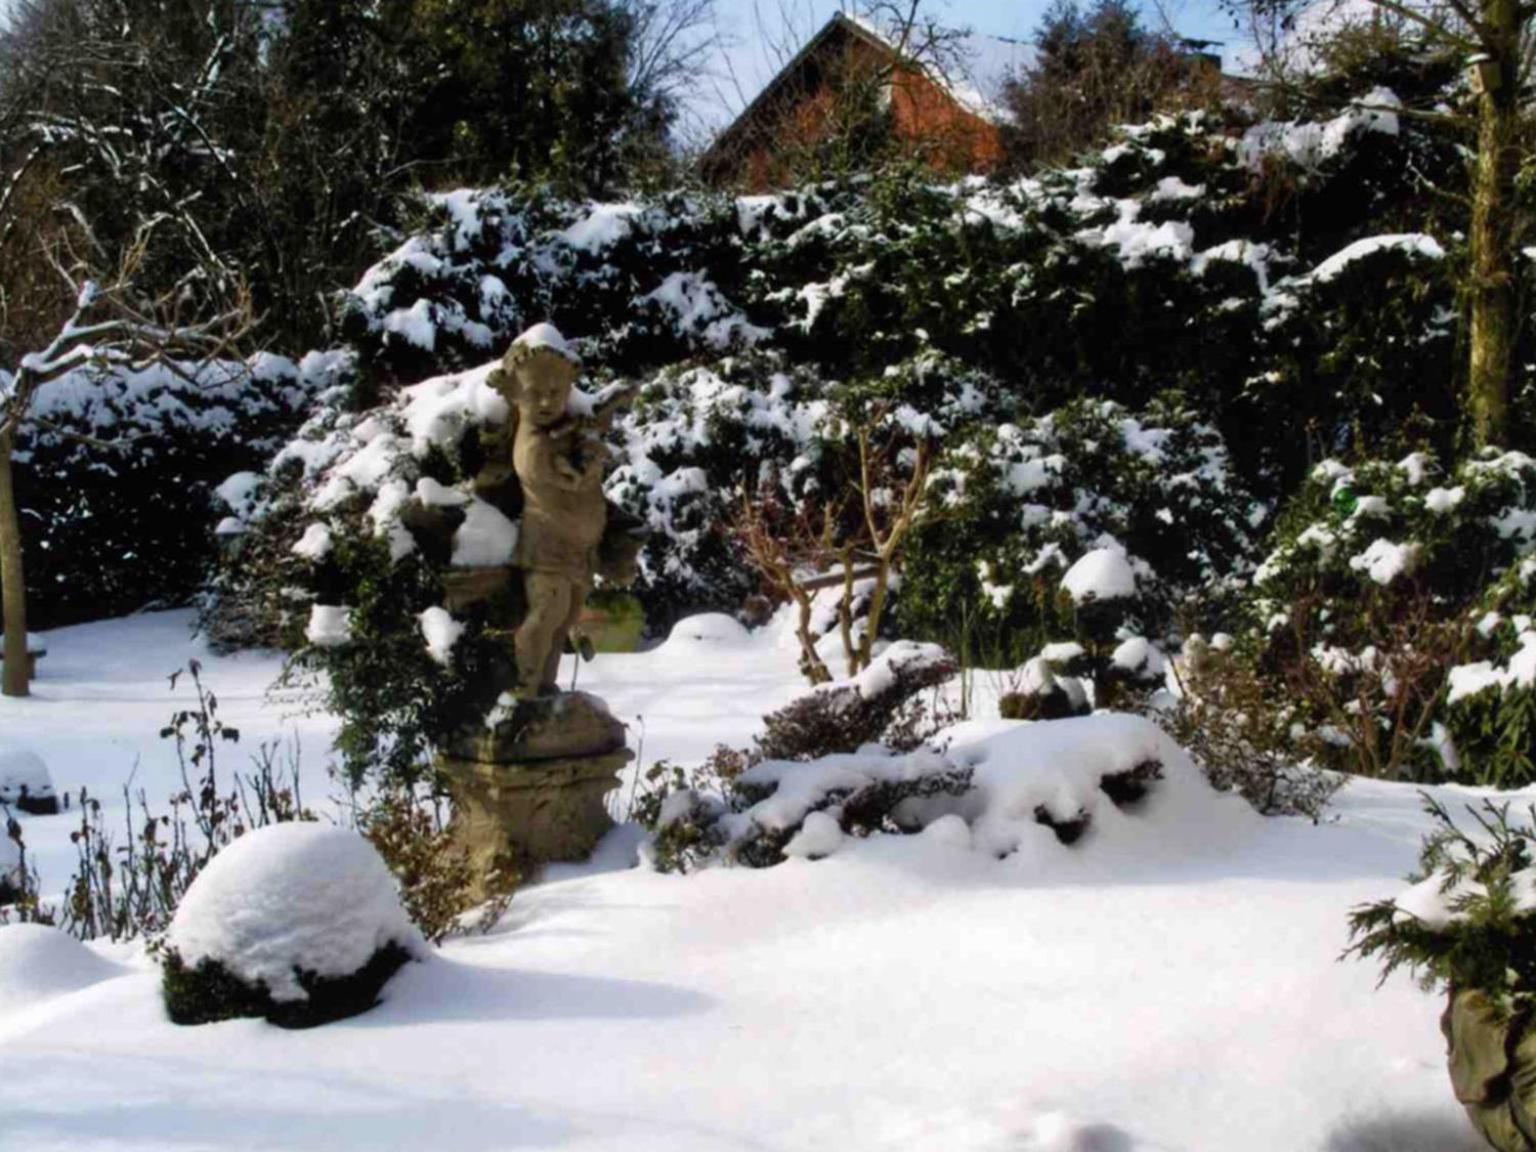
(1102, 574)
(1412, 243)
(1392, 581)
(290, 898)
(119, 469)
(1312, 144)
(1129, 513)
(1026, 791)
(485, 539)
(315, 543)
(495, 263)
(330, 625)
(441, 632)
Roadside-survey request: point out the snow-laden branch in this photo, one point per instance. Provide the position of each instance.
(112, 326)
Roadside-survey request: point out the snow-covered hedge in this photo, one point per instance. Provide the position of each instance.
(639, 280)
(117, 471)
(1125, 366)
(1094, 527)
(1257, 268)
(1398, 599)
(297, 922)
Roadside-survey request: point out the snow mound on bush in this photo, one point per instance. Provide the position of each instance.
(1058, 770)
(901, 657)
(23, 774)
(37, 962)
(1004, 788)
(330, 625)
(1058, 1132)
(819, 836)
(708, 628)
(292, 897)
(1103, 574)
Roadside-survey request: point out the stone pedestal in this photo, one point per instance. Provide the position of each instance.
(531, 789)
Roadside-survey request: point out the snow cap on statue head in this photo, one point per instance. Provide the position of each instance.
(541, 338)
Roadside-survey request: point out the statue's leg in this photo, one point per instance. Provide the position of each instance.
(578, 599)
(537, 637)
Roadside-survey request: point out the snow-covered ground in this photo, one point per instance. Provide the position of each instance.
(906, 993)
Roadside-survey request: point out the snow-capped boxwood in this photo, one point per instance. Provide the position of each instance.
(299, 923)
(25, 783)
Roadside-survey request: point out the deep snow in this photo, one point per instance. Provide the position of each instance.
(905, 993)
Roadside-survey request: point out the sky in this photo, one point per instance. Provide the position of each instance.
(749, 29)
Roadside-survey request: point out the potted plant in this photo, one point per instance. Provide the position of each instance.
(1467, 928)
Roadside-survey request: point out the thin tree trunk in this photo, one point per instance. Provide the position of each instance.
(13, 589)
(876, 613)
(1492, 289)
(810, 663)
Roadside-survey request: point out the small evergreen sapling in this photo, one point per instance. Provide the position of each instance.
(1467, 923)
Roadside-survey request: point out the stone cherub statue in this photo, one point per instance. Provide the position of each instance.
(558, 460)
(528, 782)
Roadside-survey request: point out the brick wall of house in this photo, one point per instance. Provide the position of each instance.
(951, 138)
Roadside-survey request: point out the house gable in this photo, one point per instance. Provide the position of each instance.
(952, 125)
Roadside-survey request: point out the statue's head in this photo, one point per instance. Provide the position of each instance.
(539, 371)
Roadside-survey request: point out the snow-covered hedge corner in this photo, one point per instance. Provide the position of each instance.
(117, 470)
(300, 923)
(1013, 790)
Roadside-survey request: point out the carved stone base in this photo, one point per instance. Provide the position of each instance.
(510, 818)
(529, 789)
(566, 726)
